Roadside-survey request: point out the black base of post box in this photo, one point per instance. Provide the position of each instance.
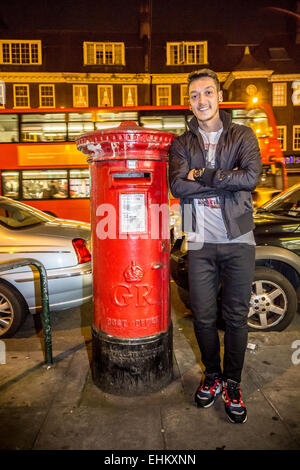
(136, 366)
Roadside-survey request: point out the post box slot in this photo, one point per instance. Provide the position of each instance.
(131, 177)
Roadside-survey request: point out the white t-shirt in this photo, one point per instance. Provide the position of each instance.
(210, 223)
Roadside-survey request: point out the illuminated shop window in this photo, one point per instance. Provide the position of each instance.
(80, 96)
(129, 94)
(105, 95)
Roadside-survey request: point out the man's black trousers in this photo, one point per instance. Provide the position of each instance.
(232, 265)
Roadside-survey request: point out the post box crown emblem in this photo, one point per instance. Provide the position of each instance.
(124, 142)
(133, 273)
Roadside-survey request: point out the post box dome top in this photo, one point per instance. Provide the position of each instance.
(127, 141)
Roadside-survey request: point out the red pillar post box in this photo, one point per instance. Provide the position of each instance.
(132, 329)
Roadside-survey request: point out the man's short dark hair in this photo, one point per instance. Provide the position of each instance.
(201, 74)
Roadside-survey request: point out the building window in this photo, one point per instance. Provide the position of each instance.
(184, 96)
(104, 53)
(14, 52)
(296, 137)
(163, 95)
(129, 95)
(279, 94)
(105, 95)
(2, 94)
(282, 137)
(296, 93)
(80, 96)
(186, 53)
(21, 96)
(47, 96)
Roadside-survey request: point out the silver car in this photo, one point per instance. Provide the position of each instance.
(63, 246)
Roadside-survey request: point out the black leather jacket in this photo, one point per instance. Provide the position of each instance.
(237, 148)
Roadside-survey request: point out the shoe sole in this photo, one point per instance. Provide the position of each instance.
(236, 422)
(211, 403)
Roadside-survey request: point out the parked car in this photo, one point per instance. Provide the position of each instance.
(276, 286)
(63, 246)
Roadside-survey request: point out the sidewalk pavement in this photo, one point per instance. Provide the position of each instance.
(55, 408)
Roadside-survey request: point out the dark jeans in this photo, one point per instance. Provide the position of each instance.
(233, 265)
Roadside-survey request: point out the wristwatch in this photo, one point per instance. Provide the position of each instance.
(197, 174)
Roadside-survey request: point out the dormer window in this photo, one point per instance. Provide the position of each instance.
(15, 52)
(186, 53)
(103, 53)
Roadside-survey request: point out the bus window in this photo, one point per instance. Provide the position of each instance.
(175, 124)
(109, 120)
(79, 123)
(9, 128)
(44, 184)
(44, 127)
(254, 118)
(10, 184)
(79, 183)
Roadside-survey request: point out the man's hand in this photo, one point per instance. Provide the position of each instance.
(190, 175)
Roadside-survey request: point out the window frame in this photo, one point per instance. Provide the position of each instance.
(85, 87)
(284, 85)
(15, 85)
(184, 94)
(2, 95)
(296, 127)
(123, 95)
(104, 44)
(184, 45)
(31, 42)
(110, 87)
(284, 140)
(158, 97)
(40, 95)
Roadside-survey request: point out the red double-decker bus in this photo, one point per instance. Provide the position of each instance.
(41, 166)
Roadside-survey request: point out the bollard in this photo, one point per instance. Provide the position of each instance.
(17, 263)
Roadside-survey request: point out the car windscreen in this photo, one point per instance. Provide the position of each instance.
(285, 204)
(15, 216)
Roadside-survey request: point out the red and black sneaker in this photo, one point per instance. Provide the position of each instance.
(208, 390)
(234, 406)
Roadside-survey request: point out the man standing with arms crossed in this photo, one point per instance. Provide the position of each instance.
(213, 169)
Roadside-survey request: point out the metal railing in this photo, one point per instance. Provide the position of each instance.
(17, 263)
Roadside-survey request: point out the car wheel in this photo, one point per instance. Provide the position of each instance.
(12, 311)
(273, 302)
